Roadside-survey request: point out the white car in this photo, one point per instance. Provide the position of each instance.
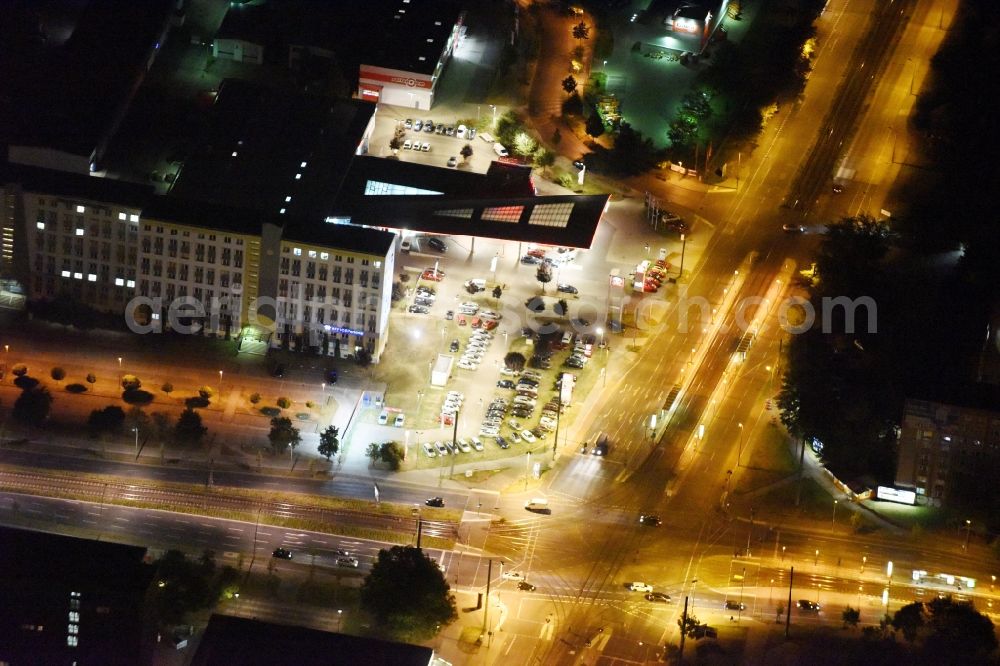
(464, 446)
(429, 450)
(525, 400)
(441, 449)
(527, 436)
(469, 305)
(456, 394)
(407, 145)
(513, 424)
(489, 431)
(514, 575)
(476, 444)
(466, 365)
(425, 147)
(640, 587)
(515, 437)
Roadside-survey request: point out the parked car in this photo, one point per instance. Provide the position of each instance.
(418, 125)
(501, 442)
(454, 345)
(429, 450)
(435, 501)
(418, 309)
(528, 436)
(476, 444)
(649, 520)
(452, 161)
(442, 449)
(567, 289)
(463, 446)
(808, 606)
(528, 259)
(437, 244)
(432, 276)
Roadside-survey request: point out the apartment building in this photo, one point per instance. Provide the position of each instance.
(947, 450)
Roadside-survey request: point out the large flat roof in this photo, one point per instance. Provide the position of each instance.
(42, 576)
(235, 640)
(398, 34)
(68, 96)
(66, 184)
(272, 151)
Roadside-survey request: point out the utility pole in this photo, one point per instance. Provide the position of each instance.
(486, 609)
(555, 441)
(420, 529)
(788, 611)
(802, 458)
(454, 443)
(684, 617)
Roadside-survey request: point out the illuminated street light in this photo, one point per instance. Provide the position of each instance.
(968, 533)
(220, 385)
(119, 371)
(834, 511)
(739, 453)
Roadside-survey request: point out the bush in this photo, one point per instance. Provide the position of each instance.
(58, 374)
(19, 370)
(76, 388)
(131, 383)
(25, 383)
(91, 378)
(196, 402)
(254, 398)
(167, 387)
(310, 404)
(206, 392)
(284, 403)
(137, 396)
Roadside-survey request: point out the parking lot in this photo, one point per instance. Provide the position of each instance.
(441, 316)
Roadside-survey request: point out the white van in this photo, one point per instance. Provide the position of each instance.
(538, 505)
(499, 150)
(460, 132)
(400, 420)
(488, 138)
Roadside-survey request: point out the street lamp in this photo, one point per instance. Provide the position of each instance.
(680, 273)
(494, 107)
(119, 371)
(220, 385)
(968, 533)
(739, 453)
(136, 431)
(816, 561)
(834, 511)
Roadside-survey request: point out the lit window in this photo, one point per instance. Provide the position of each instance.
(235, 153)
(130, 284)
(312, 254)
(302, 165)
(282, 211)
(298, 176)
(65, 274)
(40, 225)
(119, 282)
(378, 264)
(80, 209)
(79, 232)
(122, 216)
(71, 641)
(297, 251)
(75, 595)
(91, 277)
(288, 199)
(324, 255)
(133, 218)
(74, 616)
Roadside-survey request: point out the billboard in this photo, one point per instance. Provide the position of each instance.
(896, 495)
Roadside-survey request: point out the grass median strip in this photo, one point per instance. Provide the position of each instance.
(292, 500)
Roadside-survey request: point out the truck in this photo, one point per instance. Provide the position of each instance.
(442, 370)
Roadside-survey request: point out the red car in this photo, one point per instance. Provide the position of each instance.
(489, 324)
(432, 276)
(537, 252)
(461, 320)
(476, 322)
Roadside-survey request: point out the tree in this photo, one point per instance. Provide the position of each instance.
(32, 407)
(283, 434)
(569, 84)
(391, 453)
(851, 616)
(363, 357)
(329, 442)
(160, 425)
(131, 383)
(91, 379)
(58, 374)
(189, 428)
(688, 625)
(514, 361)
(594, 126)
(779, 611)
(581, 31)
(373, 452)
(407, 594)
(959, 634)
(19, 370)
(284, 403)
(107, 420)
(497, 293)
(909, 619)
(395, 144)
(137, 418)
(561, 307)
(465, 152)
(167, 388)
(543, 275)
(545, 158)
(254, 398)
